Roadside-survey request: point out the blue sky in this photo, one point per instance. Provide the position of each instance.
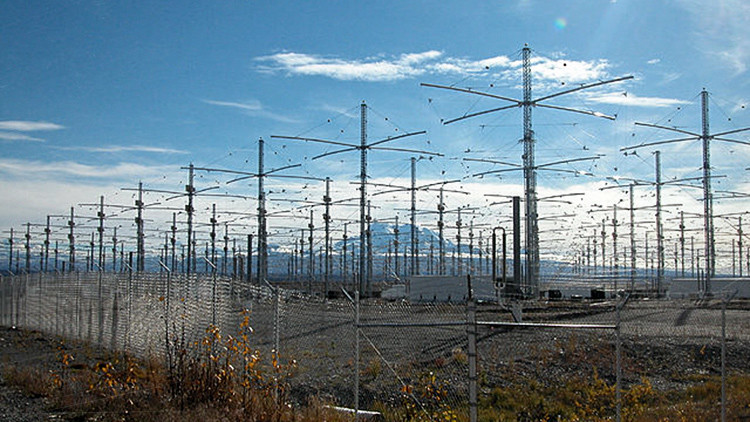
(97, 95)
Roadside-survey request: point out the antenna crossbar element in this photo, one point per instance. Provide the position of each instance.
(365, 276)
(705, 137)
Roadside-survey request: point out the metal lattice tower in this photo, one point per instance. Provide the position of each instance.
(441, 244)
(327, 220)
(72, 242)
(531, 276)
(190, 188)
(262, 229)
(363, 277)
(529, 175)
(708, 206)
(414, 236)
(659, 228)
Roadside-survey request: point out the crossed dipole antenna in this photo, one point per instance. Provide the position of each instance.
(365, 277)
(705, 136)
(529, 166)
(261, 175)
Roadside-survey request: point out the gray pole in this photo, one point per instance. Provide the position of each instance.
(190, 188)
(311, 266)
(414, 246)
(10, 255)
(72, 241)
(739, 244)
(173, 241)
(47, 232)
(262, 239)
(659, 229)
(114, 250)
(100, 229)
(708, 218)
(396, 231)
(249, 276)
(458, 242)
(213, 234)
(344, 269)
(27, 246)
(362, 195)
(327, 220)
(140, 249)
(615, 258)
(369, 251)
(682, 242)
(529, 173)
(441, 244)
(632, 239)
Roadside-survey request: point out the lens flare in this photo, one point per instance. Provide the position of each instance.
(561, 23)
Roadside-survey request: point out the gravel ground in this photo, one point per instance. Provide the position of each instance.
(20, 348)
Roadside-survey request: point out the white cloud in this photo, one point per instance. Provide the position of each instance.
(125, 148)
(249, 105)
(410, 65)
(27, 126)
(371, 70)
(630, 99)
(569, 70)
(654, 61)
(10, 136)
(59, 169)
(252, 108)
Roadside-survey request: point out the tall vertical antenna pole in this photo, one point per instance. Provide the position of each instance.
(27, 246)
(190, 188)
(213, 234)
(708, 206)
(114, 250)
(72, 242)
(458, 242)
(344, 268)
(10, 245)
(470, 269)
(632, 239)
(615, 258)
(604, 249)
(100, 229)
(362, 195)
(441, 244)
(311, 266)
(327, 220)
(262, 239)
(682, 243)
(396, 231)
(249, 273)
(529, 174)
(47, 232)
(739, 244)
(659, 229)
(173, 241)
(414, 246)
(369, 251)
(140, 248)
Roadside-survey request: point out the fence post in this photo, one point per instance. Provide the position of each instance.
(723, 361)
(618, 364)
(356, 355)
(724, 304)
(100, 316)
(130, 306)
(471, 329)
(166, 315)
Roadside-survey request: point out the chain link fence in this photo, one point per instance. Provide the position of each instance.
(519, 360)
